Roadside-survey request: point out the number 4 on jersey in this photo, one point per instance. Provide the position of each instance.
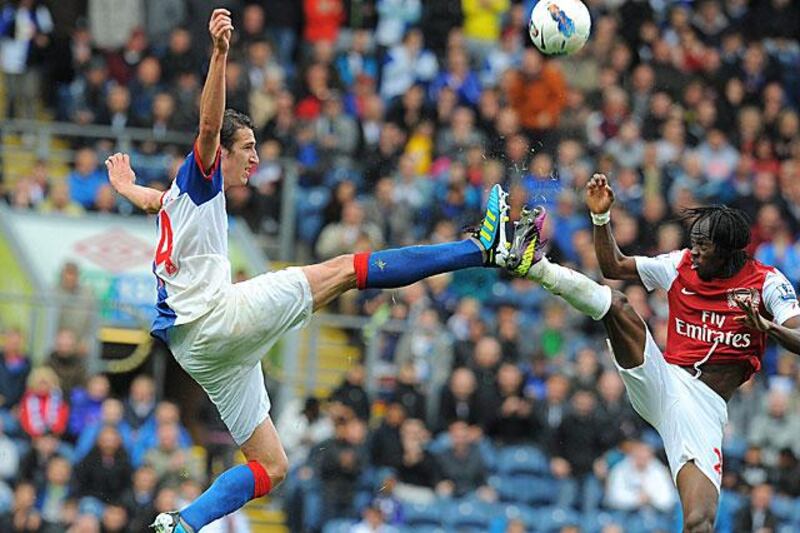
(164, 250)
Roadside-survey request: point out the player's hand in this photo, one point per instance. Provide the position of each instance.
(220, 27)
(599, 196)
(751, 318)
(120, 173)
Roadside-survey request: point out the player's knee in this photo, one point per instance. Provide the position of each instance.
(277, 468)
(699, 520)
(619, 303)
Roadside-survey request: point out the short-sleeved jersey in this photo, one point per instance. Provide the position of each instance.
(191, 264)
(701, 313)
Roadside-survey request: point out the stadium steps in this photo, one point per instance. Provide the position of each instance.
(19, 158)
(334, 355)
(265, 520)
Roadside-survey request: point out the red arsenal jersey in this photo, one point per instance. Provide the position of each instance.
(701, 313)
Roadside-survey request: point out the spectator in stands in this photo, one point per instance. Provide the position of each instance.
(552, 410)
(53, 496)
(417, 473)
(9, 466)
(77, 310)
(68, 364)
(301, 429)
(460, 467)
(322, 20)
(337, 133)
(753, 471)
(23, 515)
(482, 25)
(111, 413)
(757, 516)
(86, 178)
(86, 403)
(385, 446)
(620, 420)
(536, 92)
(105, 474)
(387, 211)
(407, 392)
(171, 460)
(577, 443)
(166, 413)
(14, 370)
(513, 419)
(59, 201)
(25, 28)
(139, 499)
(338, 237)
(406, 64)
(115, 518)
(776, 428)
(458, 77)
(459, 401)
(341, 461)
(639, 481)
(43, 408)
(352, 393)
(116, 112)
(141, 401)
(427, 348)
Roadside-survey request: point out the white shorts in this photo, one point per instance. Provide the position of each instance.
(222, 351)
(689, 416)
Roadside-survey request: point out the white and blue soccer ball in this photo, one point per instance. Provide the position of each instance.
(559, 27)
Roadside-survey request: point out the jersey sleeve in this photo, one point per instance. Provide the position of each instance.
(660, 271)
(780, 299)
(200, 184)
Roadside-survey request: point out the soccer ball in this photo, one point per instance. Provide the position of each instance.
(559, 27)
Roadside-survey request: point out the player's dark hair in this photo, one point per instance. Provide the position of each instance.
(728, 229)
(233, 121)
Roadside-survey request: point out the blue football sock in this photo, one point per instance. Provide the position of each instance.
(229, 492)
(399, 267)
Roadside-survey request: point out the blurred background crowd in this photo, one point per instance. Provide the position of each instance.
(498, 407)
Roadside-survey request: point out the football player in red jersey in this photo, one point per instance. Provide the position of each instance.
(723, 305)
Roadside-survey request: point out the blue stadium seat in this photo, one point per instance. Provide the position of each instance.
(784, 508)
(528, 515)
(552, 519)
(522, 460)
(417, 515)
(340, 525)
(423, 529)
(596, 521)
(468, 515)
(647, 523)
(729, 505)
(528, 489)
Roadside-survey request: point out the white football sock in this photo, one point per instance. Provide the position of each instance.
(585, 295)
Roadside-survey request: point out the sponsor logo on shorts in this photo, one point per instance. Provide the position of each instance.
(718, 466)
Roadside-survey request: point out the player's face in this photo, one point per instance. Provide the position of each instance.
(706, 260)
(241, 160)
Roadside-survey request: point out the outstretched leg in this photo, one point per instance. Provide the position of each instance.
(399, 267)
(627, 334)
(266, 467)
(699, 499)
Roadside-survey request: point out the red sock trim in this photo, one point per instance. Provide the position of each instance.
(361, 264)
(263, 484)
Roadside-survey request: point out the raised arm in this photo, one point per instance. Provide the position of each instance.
(212, 101)
(613, 263)
(122, 178)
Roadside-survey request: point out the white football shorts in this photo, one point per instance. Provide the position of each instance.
(222, 350)
(689, 416)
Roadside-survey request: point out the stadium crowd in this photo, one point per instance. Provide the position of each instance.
(498, 406)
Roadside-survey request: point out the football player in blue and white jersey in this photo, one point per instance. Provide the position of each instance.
(219, 331)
